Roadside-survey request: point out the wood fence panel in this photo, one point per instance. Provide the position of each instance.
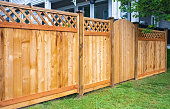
(124, 51)
(49, 54)
(151, 58)
(96, 61)
(97, 54)
(151, 53)
(37, 62)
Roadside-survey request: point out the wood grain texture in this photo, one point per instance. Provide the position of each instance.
(151, 58)
(1, 65)
(36, 27)
(97, 59)
(81, 53)
(8, 63)
(39, 100)
(124, 50)
(37, 61)
(33, 63)
(17, 63)
(36, 96)
(40, 65)
(112, 50)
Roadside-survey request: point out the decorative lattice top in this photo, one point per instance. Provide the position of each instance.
(15, 13)
(153, 35)
(96, 25)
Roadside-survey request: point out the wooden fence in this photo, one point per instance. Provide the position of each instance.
(39, 54)
(97, 54)
(151, 53)
(47, 54)
(124, 50)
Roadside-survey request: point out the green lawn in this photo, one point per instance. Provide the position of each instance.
(150, 93)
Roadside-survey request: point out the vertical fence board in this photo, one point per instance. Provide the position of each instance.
(101, 58)
(61, 58)
(1, 64)
(8, 63)
(17, 63)
(104, 58)
(94, 65)
(90, 58)
(85, 60)
(41, 70)
(70, 59)
(47, 60)
(65, 61)
(109, 58)
(76, 59)
(121, 52)
(57, 72)
(54, 44)
(116, 54)
(33, 63)
(26, 62)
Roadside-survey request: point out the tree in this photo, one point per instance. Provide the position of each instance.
(160, 9)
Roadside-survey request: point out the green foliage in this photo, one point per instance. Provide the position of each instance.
(158, 8)
(63, 25)
(69, 25)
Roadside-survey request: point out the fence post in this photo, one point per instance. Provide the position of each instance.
(136, 49)
(166, 34)
(81, 35)
(112, 49)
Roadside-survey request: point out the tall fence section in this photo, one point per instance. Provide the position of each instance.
(47, 54)
(152, 48)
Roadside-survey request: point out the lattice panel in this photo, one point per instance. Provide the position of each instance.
(152, 35)
(33, 16)
(93, 25)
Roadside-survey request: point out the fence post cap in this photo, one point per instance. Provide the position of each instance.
(165, 29)
(109, 18)
(135, 22)
(79, 11)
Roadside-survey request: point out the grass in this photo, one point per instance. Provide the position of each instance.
(152, 92)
